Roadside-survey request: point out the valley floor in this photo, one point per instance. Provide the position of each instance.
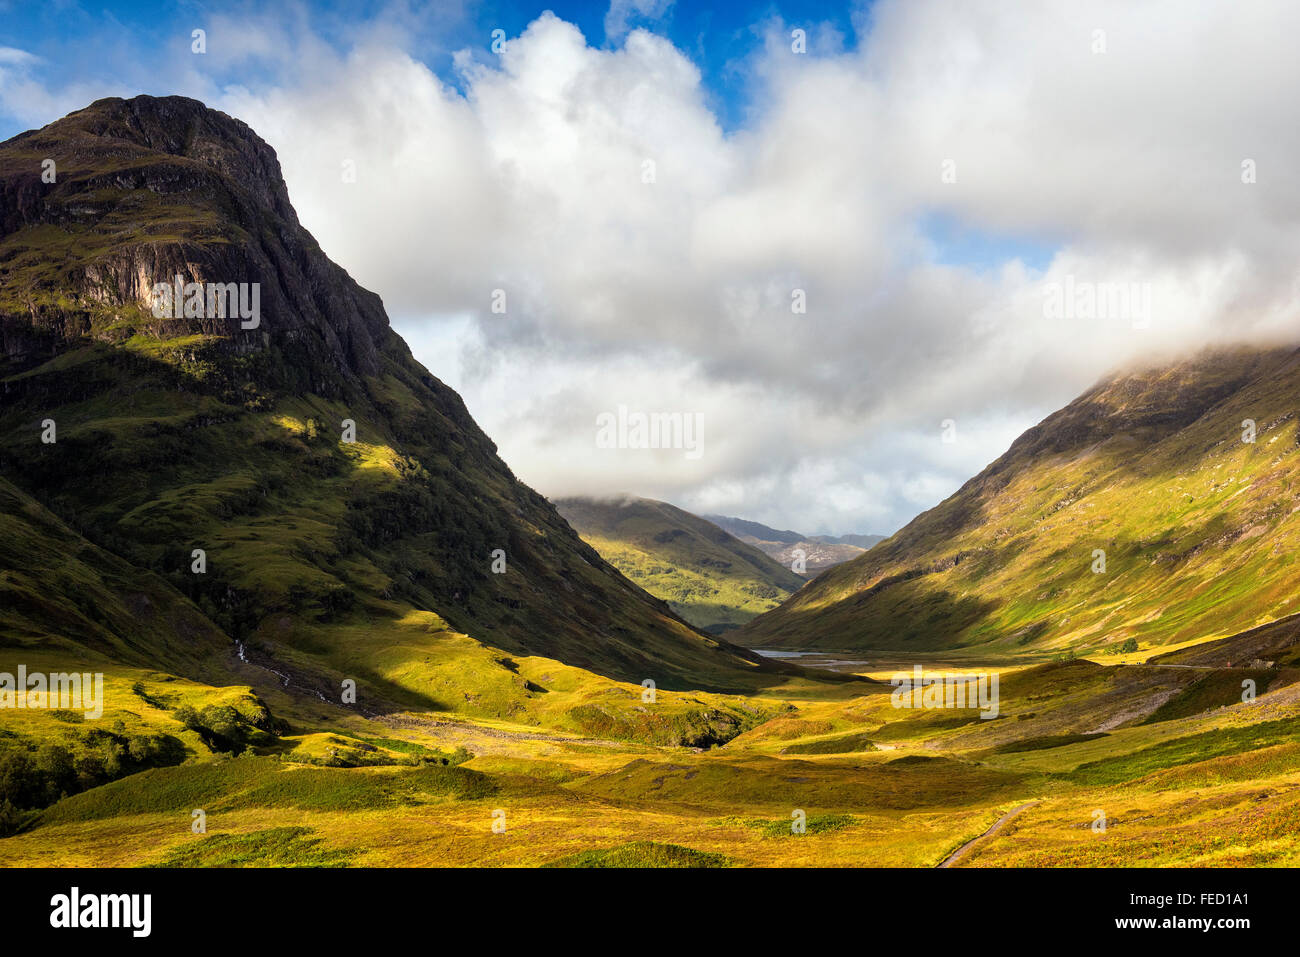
(1086, 765)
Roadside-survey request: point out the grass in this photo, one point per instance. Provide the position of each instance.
(1188, 750)
(815, 824)
(251, 782)
(840, 744)
(1045, 742)
(273, 847)
(577, 804)
(640, 854)
(1215, 690)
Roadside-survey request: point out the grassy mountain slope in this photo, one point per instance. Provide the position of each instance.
(57, 591)
(1199, 528)
(710, 578)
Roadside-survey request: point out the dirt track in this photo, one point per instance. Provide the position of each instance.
(961, 852)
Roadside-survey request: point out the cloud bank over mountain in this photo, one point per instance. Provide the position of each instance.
(981, 208)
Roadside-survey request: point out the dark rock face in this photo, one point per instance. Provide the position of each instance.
(170, 188)
(172, 430)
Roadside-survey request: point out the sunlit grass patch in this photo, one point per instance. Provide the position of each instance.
(643, 854)
(273, 847)
(1187, 750)
(253, 782)
(853, 742)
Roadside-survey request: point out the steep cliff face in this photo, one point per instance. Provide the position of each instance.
(194, 432)
(150, 189)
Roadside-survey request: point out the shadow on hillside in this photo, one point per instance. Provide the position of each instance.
(902, 616)
(155, 458)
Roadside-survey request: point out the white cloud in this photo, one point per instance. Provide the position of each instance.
(12, 55)
(675, 294)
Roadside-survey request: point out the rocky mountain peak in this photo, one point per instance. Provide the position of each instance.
(117, 199)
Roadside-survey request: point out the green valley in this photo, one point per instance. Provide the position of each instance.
(336, 630)
(710, 578)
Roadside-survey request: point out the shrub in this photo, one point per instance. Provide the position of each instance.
(11, 819)
(224, 728)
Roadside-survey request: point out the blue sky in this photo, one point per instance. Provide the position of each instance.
(93, 42)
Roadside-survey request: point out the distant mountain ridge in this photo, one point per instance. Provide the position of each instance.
(708, 576)
(792, 549)
(757, 530)
(857, 541)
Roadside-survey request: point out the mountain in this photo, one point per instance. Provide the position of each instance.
(857, 541)
(709, 577)
(816, 553)
(136, 437)
(181, 511)
(742, 528)
(809, 555)
(1148, 469)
